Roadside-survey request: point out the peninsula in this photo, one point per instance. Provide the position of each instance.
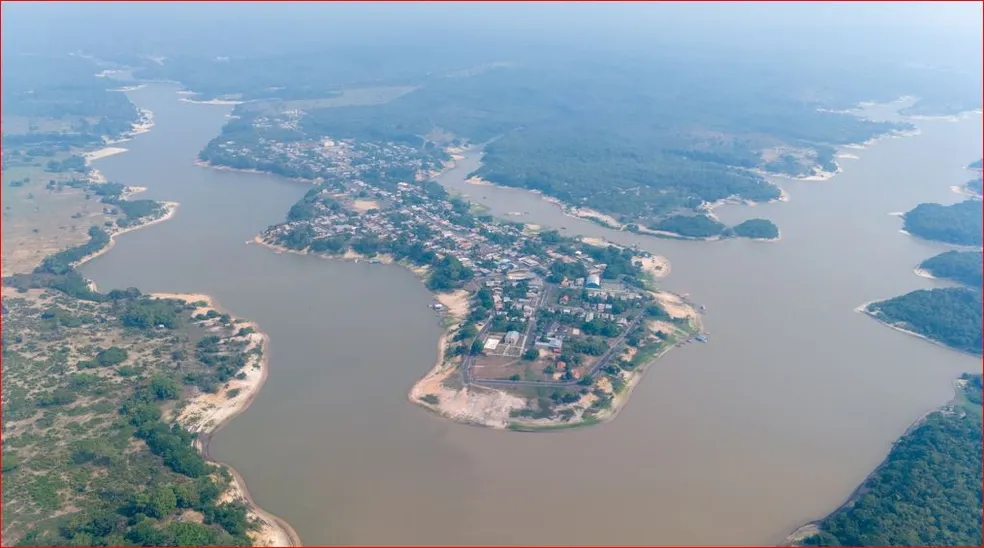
(543, 331)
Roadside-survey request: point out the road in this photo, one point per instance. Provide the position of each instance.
(613, 348)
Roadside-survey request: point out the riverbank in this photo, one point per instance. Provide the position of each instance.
(656, 266)
(442, 389)
(811, 528)
(864, 309)
(206, 413)
(169, 210)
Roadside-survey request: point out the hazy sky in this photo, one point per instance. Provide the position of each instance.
(284, 23)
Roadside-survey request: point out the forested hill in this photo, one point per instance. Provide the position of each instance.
(960, 266)
(949, 315)
(928, 490)
(961, 223)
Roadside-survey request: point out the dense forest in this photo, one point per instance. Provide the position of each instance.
(960, 266)
(928, 490)
(690, 226)
(949, 315)
(757, 228)
(586, 132)
(961, 223)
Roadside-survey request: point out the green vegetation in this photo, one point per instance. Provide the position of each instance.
(88, 457)
(951, 316)
(581, 132)
(690, 226)
(928, 490)
(757, 228)
(447, 274)
(960, 266)
(960, 223)
(61, 263)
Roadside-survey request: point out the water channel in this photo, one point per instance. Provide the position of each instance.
(772, 423)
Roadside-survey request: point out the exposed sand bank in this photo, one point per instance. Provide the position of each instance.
(456, 303)
(923, 273)
(205, 413)
(211, 101)
(674, 305)
(102, 153)
(964, 191)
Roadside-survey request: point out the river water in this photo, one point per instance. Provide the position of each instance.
(772, 423)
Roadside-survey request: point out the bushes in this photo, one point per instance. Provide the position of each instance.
(111, 356)
(61, 263)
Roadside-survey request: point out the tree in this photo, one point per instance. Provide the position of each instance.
(162, 502)
(476, 347)
(165, 388)
(531, 354)
(111, 356)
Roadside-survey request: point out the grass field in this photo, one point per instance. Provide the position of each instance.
(38, 221)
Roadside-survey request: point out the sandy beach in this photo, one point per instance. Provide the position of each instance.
(923, 273)
(206, 413)
(964, 191)
(211, 102)
(102, 153)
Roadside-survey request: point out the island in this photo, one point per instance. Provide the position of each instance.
(964, 267)
(926, 492)
(757, 229)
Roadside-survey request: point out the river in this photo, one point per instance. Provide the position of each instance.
(771, 424)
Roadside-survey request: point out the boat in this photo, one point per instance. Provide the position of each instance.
(701, 338)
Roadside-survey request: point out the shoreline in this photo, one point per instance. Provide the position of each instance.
(812, 527)
(205, 414)
(481, 406)
(864, 309)
(922, 273)
(170, 210)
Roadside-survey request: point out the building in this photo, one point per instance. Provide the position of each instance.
(511, 337)
(593, 280)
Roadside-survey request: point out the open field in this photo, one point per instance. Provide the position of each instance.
(38, 222)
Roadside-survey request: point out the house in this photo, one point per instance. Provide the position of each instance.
(511, 337)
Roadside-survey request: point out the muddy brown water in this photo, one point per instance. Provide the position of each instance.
(793, 401)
